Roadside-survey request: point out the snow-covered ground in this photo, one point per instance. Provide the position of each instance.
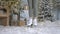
(45, 27)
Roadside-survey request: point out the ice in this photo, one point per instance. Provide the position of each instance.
(46, 27)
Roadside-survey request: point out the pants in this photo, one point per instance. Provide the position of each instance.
(33, 8)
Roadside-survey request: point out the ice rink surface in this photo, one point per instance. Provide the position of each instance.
(45, 27)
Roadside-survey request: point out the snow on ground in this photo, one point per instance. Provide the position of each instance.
(45, 27)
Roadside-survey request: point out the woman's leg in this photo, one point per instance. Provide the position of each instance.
(30, 8)
(29, 21)
(35, 10)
